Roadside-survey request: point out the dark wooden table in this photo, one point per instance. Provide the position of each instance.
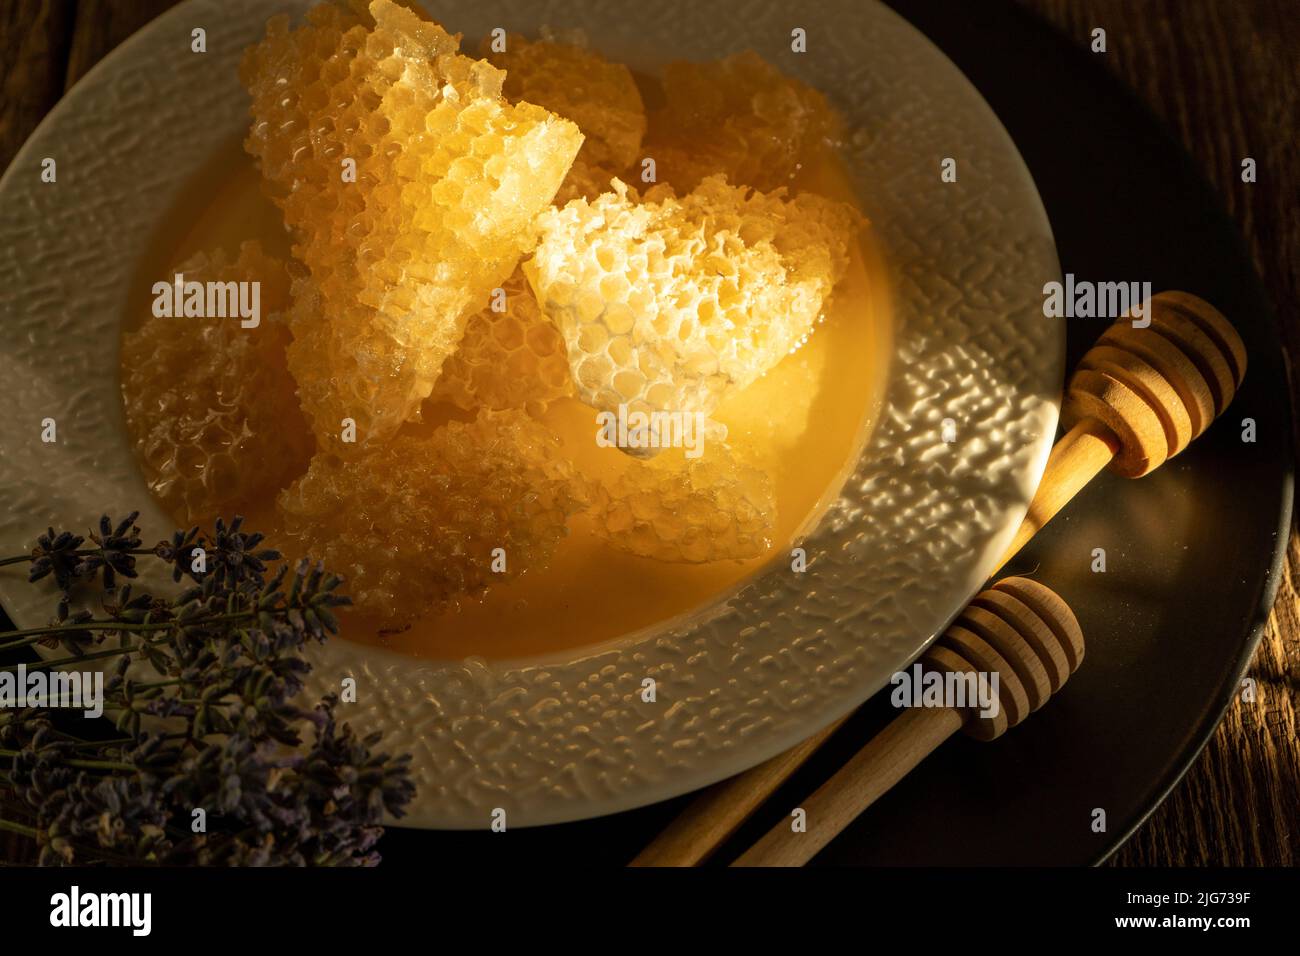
(1222, 75)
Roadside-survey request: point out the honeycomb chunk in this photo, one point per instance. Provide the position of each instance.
(693, 510)
(742, 117)
(670, 305)
(413, 523)
(210, 405)
(508, 359)
(449, 177)
(291, 75)
(578, 84)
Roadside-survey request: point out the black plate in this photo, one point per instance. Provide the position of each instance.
(1192, 552)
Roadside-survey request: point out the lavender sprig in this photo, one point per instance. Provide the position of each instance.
(217, 728)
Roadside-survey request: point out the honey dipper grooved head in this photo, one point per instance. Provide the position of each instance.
(1157, 388)
(1022, 631)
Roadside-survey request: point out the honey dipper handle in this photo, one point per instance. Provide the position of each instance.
(887, 759)
(716, 813)
(1075, 460)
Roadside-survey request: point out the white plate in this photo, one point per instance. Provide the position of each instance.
(913, 534)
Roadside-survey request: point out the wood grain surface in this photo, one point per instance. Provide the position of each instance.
(1222, 75)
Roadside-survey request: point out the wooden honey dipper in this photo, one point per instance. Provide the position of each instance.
(1019, 630)
(1138, 398)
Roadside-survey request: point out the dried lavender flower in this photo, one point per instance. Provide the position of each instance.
(218, 728)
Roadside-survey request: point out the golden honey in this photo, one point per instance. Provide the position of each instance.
(588, 543)
(805, 422)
